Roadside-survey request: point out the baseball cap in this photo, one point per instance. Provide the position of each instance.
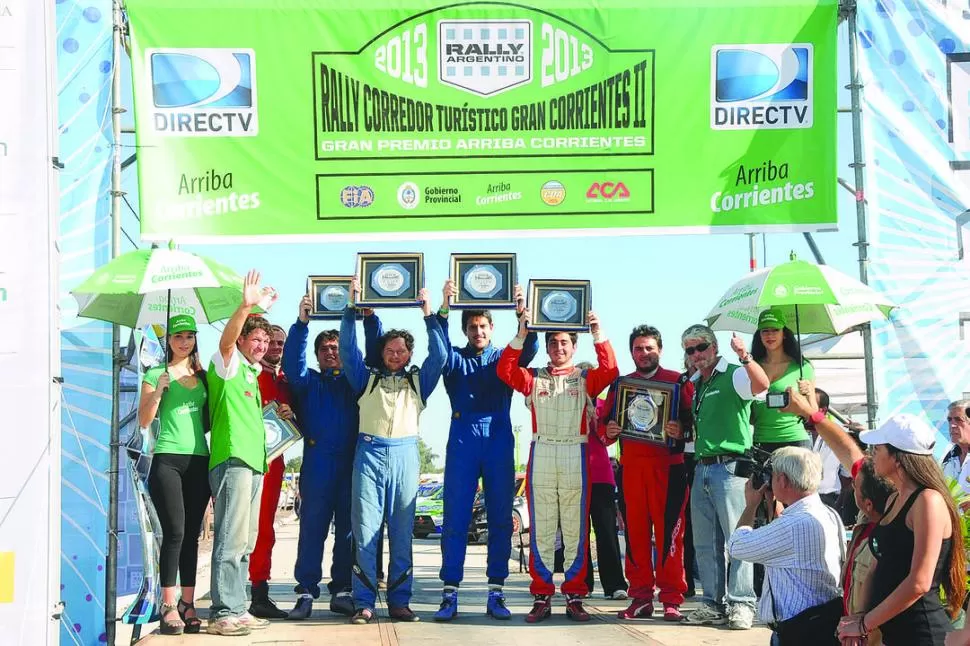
(904, 432)
(181, 323)
(772, 319)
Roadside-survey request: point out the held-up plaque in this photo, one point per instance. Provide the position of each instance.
(390, 279)
(330, 295)
(559, 305)
(643, 407)
(281, 434)
(484, 280)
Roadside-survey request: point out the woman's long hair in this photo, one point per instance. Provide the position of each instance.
(194, 360)
(788, 344)
(925, 472)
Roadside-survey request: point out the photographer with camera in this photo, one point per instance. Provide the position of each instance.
(802, 551)
(722, 410)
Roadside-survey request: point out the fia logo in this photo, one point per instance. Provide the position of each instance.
(761, 86)
(203, 92)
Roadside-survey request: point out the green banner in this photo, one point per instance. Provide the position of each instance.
(315, 117)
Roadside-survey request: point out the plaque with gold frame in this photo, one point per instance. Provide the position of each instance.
(281, 433)
(330, 295)
(559, 305)
(483, 280)
(642, 408)
(390, 279)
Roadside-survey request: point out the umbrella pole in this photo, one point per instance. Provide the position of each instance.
(798, 337)
(168, 315)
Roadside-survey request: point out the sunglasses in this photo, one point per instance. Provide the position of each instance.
(700, 347)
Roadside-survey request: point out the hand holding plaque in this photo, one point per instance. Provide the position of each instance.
(644, 407)
(390, 280)
(328, 296)
(281, 433)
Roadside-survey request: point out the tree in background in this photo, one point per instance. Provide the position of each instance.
(428, 458)
(293, 464)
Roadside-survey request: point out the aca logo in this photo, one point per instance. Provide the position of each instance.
(357, 196)
(608, 192)
(203, 92)
(761, 86)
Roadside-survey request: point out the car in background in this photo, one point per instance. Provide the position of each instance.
(429, 517)
(520, 507)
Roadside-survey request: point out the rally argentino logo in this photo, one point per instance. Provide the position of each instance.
(203, 92)
(485, 57)
(756, 87)
(553, 192)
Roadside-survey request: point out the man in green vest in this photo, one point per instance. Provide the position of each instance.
(237, 458)
(722, 411)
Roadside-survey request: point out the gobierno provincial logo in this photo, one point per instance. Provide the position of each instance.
(203, 92)
(755, 87)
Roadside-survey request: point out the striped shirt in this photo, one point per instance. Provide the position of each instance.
(802, 552)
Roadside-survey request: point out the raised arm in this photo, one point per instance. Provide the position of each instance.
(294, 349)
(373, 331)
(350, 356)
(251, 295)
(508, 368)
(437, 353)
(530, 347)
(759, 379)
(842, 445)
(452, 358)
(606, 370)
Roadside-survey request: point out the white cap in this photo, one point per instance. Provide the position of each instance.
(904, 432)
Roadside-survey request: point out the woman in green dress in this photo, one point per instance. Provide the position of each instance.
(179, 478)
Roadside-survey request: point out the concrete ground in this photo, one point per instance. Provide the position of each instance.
(471, 627)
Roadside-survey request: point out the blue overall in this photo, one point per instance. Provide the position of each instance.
(480, 445)
(385, 475)
(326, 408)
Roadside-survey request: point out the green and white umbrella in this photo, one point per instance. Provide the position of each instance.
(815, 299)
(148, 286)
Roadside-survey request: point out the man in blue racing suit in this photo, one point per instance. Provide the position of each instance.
(327, 406)
(480, 445)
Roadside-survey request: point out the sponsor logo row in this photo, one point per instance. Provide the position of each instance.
(553, 193)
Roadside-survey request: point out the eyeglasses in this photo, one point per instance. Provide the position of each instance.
(700, 347)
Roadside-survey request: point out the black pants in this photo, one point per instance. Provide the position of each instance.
(689, 465)
(602, 515)
(179, 487)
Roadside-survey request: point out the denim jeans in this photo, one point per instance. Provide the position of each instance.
(236, 488)
(716, 504)
(384, 486)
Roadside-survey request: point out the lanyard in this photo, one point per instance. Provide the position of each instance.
(700, 394)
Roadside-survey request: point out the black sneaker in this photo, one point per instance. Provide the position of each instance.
(262, 606)
(342, 603)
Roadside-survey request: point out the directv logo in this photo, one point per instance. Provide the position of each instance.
(203, 92)
(757, 87)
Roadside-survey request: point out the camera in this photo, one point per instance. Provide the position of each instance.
(777, 400)
(756, 465)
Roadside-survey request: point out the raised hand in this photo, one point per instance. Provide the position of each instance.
(425, 301)
(524, 316)
(448, 292)
(354, 289)
(737, 344)
(612, 429)
(306, 306)
(252, 292)
(594, 323)
(519, 296)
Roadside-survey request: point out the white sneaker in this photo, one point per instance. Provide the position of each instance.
(618, 595)
(226, 626)
(252, 622)
(707, 615)
(740, 616)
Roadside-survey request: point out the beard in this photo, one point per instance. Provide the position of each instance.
(648, 366)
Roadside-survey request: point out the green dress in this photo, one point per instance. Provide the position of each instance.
(770, 424)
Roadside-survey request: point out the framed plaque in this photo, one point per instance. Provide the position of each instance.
(484, 280)
(559, 305)
(390, 279)
(281, 434)
(330, 295)
(642, 408)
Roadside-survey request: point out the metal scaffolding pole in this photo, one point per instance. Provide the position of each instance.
(111, 563)
(752, 257)
(848, 9)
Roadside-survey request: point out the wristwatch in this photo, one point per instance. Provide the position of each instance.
(746, 359)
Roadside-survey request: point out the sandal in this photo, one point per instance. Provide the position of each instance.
(173, 626)
(192, 624)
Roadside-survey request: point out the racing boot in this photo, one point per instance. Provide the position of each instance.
(496, 605)
(262, 606)
(449, 605)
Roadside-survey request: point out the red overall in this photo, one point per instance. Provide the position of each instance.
(272, 388)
